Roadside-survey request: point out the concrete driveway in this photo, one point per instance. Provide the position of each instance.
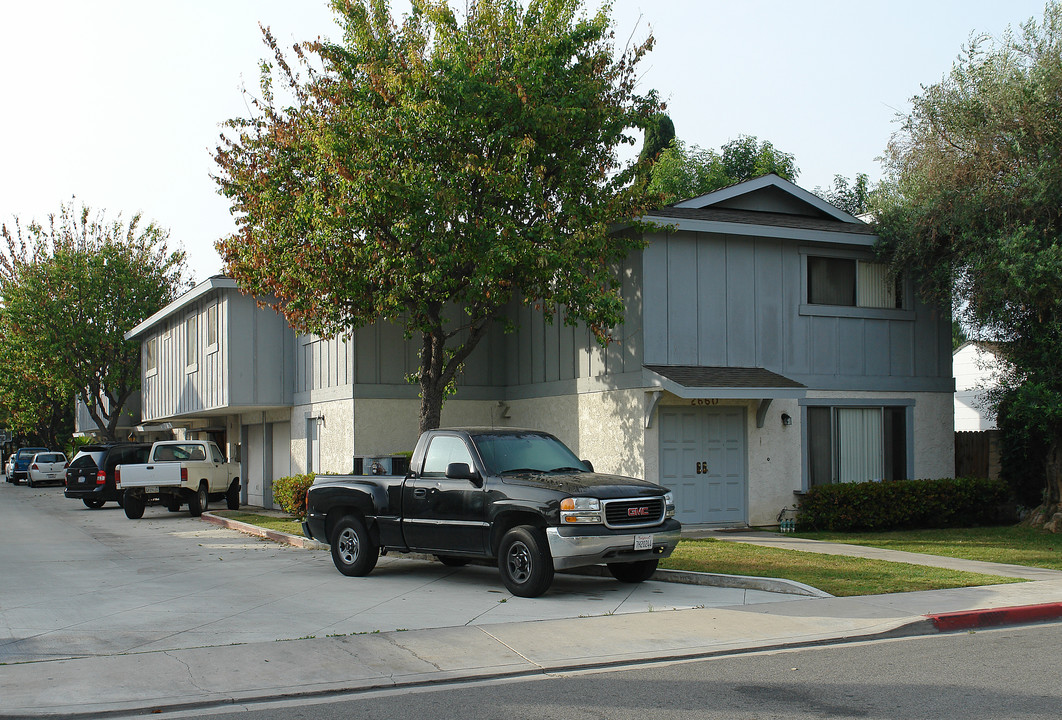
(77, 582)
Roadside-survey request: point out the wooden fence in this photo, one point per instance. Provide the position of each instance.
(977, 454)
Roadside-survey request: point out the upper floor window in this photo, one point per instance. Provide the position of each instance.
(212, 326)
(191, 340)
(849, 282)
(151, 362)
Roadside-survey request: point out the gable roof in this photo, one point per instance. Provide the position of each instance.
(207, 286)
(772, 192)
(768, 205)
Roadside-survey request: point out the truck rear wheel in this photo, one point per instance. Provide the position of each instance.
(524, 561)
(92, 503)
(634, 572)
(198, 502)
(134, 506)
(353, 550)
(232, 496)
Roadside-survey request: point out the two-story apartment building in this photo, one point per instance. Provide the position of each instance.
(764, 351)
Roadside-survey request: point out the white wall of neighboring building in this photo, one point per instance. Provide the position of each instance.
(974, 366)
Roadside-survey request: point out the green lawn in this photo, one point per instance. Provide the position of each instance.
(836, 574)
(1011, 544)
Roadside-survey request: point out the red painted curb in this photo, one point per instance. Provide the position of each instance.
(967, 619)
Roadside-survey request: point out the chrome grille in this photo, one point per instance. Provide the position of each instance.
(634, 512)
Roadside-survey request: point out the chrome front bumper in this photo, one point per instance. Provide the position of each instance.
(578, 547)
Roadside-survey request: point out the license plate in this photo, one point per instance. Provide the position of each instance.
(52, 476)
(151, 489)
(643, 542)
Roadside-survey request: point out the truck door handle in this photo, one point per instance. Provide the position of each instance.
(420, 493)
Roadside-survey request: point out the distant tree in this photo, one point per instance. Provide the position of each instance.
(659, 135)
(70, 291)
(958, 335)
(683, 172)
(975, 210)
(852, 196)
(432, 172)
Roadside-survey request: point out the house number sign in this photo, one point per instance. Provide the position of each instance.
(703, 402)
(702, 468)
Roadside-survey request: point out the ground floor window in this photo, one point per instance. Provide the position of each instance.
(856, 444)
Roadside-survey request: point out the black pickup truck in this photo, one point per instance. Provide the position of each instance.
(519, 497)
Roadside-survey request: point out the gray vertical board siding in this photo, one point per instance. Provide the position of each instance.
(770, 309)
(367, 355)
(797, 357)
(682, 302)
(538, 330)
(711, 299)
(746, 312)
(654, 300)
(743, 302)
(853, 346)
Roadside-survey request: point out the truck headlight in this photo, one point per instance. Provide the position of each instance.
(580, 510)
(669, 504)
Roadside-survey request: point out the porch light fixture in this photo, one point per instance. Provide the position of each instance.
(786, 420)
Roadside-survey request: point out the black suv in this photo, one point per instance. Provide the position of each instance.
(90, 477)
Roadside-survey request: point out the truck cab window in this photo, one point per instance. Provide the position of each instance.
(442, 451)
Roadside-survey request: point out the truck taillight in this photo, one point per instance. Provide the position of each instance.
(118, 477)
(101, 478)
(184, 475)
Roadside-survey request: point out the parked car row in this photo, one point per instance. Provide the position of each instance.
(170, 473)
(88, 477)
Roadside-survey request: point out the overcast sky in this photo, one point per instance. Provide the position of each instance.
(118, 102)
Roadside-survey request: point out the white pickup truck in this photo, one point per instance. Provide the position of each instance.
(179, 472)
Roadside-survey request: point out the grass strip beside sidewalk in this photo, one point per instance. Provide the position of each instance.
(836, 574)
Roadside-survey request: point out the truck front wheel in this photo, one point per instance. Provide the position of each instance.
(353, 550)
(634, 572)
(134, 506)
(524, 561)
(198, 502)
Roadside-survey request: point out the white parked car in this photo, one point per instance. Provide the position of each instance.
(47, 467)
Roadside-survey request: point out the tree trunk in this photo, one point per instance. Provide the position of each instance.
(1049, 515)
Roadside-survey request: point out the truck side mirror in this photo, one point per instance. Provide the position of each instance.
(589, 465)
(461, 471)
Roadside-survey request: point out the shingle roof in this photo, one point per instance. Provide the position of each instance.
(696, 376)
(750, 217)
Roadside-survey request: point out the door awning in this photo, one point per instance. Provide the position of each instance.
(725, 383)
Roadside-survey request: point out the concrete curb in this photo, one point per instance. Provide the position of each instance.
(274, 535)
(684, 577)
(1017, 615)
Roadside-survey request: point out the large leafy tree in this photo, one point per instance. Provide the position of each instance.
(432, 171)
(71, 289)
(852, 196)
(683, 171)
(974, 206)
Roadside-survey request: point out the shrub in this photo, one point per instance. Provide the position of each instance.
(290, 493)
(903, 504)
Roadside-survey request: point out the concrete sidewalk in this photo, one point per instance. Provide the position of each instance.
(244, 674)
(198, 677)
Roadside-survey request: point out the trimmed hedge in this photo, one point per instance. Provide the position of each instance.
(903, 505)
(290, 493)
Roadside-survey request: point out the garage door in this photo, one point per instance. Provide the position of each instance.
(702, 459)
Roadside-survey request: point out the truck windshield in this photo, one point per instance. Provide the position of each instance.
(525, 453)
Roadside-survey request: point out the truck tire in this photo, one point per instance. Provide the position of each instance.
(232, 496)
(634, 572)
(198, 502)
(524, 561)
(353, 550)
(134, 506)
(93, 503)
(452, 560)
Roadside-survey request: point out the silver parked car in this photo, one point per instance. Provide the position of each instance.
(47, 467)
